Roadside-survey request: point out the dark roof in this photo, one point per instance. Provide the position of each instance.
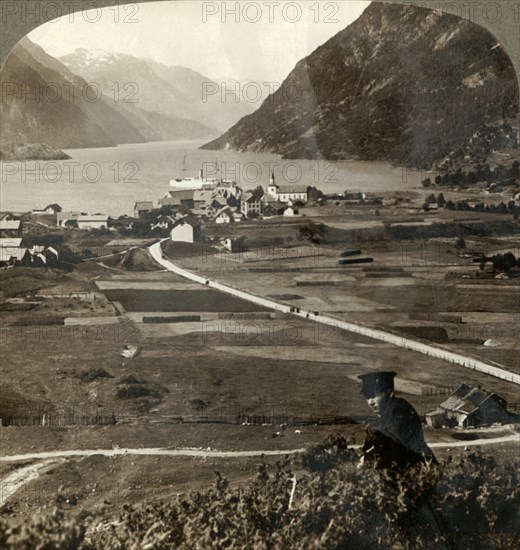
(55, 206)
(190, 220)
(468, 398)
(292, 189)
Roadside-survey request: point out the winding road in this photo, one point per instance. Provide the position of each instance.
(377, 334)
(14, 481)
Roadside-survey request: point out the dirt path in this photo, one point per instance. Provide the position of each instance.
(201, 453)
(377, 334)
(14, 481)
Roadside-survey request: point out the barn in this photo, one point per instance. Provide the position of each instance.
(470, 407)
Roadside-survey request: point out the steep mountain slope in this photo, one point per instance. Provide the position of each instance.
(404, 84)
(37, 107)
(45, 102)
(168, 90)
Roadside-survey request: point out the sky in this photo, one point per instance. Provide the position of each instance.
(261, 40)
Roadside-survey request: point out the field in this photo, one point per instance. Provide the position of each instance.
(90, 343)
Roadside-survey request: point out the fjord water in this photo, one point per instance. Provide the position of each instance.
(109, 180)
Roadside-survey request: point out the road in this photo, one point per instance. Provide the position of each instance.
(400, 341)
(211, 453)
(14, 481)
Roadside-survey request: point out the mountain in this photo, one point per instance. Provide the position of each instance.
(38, 105)
(173, 91)
(402, 83)
(44, 102)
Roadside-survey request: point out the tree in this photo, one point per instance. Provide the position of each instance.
(312, 231)
(460, 244)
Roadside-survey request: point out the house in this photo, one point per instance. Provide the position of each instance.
(34, 257)
(227, 188)
(178, 197)
(142, 207)
(234, 244)
(66, 219)
(250, 204)
(162, 222)
(10, 228)
(225, 215)
(92, 221)
(470, 407)
(52, 208)
(11, 250)
(290, 211)
(274, 208)
(202, 199)
(186, 230)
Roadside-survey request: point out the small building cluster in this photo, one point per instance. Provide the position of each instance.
(14, 253)
(224, 201)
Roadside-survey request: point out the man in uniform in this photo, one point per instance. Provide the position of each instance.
(396, 444)
(396, 441)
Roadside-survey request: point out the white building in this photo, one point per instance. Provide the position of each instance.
(290, 211)
(82, 220)
(92, 221)
(10, 228)
(224, 216)
(11, 249)
(285, 193)
(186, 230)
(250, 203)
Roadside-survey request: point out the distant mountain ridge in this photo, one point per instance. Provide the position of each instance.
(402, 83)
(44, 102)
(173, 91)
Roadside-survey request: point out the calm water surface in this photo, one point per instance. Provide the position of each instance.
(109, 180)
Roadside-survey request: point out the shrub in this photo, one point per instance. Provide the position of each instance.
(93, 373)
(335, 505)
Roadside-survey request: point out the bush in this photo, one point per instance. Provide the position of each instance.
(93, 373)
(335, 505)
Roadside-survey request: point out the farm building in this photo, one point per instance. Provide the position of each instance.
(142, 207)
(11, 250)
(92, 221)
(274, 208)
(52, 208)
(225, 215)
(10, 228)
(470, 407)
(290, 211)
(162, 222)
(186, 230)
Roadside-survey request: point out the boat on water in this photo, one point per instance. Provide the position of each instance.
(200, 182)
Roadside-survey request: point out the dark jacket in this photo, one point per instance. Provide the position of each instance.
(396, 441)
